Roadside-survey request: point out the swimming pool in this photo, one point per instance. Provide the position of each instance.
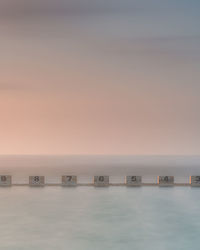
(99, 218)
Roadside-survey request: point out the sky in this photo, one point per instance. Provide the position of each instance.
(100, 77)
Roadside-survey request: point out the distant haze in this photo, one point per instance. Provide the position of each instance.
(100, 77)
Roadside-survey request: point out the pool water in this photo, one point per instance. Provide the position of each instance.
(90, 218)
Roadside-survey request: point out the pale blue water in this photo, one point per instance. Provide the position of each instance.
(89, 218)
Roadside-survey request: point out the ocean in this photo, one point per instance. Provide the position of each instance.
(86, 166)
(88, 218)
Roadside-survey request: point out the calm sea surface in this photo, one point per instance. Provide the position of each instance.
(85, 167)
(91, 218)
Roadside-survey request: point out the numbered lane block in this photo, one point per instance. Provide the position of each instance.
(195, 181)
(101, 181)
(36, 180)
(133, 180)
(165, 181)
(5, 180)
(69, 180)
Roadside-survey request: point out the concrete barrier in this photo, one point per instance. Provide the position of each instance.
(195, 181)
(101, 181)
(36, 180)
(133, 180)
(69, 180)
(166, 181)
(5, 180)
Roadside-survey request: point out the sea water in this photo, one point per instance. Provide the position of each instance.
(91, 218)
(86, 166)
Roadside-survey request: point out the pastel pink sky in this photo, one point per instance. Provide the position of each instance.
(81, 77)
